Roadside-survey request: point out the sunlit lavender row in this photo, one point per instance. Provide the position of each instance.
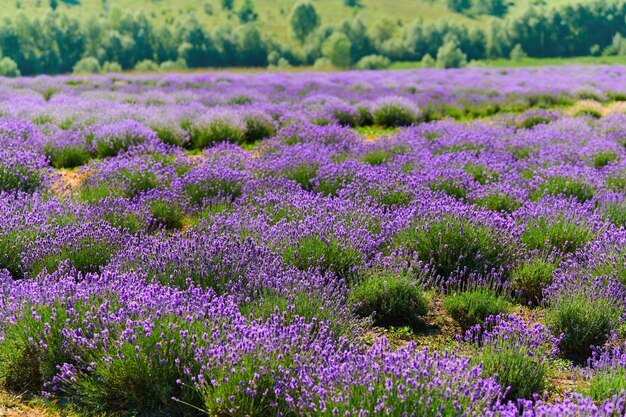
(419, 243)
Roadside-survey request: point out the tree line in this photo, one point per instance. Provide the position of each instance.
(57, 43)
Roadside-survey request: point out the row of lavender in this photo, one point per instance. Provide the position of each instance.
(246, 282)
(164, 103)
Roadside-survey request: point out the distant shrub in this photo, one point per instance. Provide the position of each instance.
(529, 279)
(450, 55)
(395, 112)
(473, 307)
(8, 68)
(179, 64)
(373, 62)
(88, 65)
(391, 298)
(110, 67)
(69, 156)
(428, 61)
(147, 66)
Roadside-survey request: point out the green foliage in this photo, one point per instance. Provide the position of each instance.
(67, 156)
(198, 192)
(140, 382)
(109, 67)
(247, 13)
(304, 19)
(111, 146)
(257, 128)
(498, 202)
(146, 65)
(377, 157)
(88, 254)
(390, 197)
(583, 320)
(529, 279)
(515, 367)
(373, 62)
(337, 50)
(561, 234)
(602, 159)
(565, 187)
(517, 53)
(326, 253)
(616, 181)
(450, 55)
(528, 123)
(473, 307)
(394, 115)
(19, 178)
(8, 68)
(303, 174)
(166, 214)
(451, 187)
(605, 384)
(391, 298)
(589, 112)
(481, 173)
(13, 243)
(88, 65)
(615, 213)
(303, 304)
(202, 135)
(452, 244)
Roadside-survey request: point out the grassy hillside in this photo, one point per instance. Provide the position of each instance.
(273, 14)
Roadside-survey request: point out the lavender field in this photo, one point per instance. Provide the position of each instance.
(415, 243)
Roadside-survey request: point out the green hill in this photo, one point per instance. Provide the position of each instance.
(273, 14)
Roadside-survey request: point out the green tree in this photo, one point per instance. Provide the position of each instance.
(337, 50)
(247, 13)
(87, 65)
(517, 53)
(227, 4)
(304, 19)
(459, 5)
(449, 55)
(8, 68)
(252, 49)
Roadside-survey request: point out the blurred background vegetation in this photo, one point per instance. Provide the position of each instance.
(91, 36)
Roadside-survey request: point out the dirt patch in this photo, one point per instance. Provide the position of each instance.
(16, 406)
(68, 181)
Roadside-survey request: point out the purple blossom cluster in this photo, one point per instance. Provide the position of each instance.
(186, 244)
